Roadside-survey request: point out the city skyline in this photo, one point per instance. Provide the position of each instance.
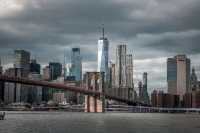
(84, 66)
(149, 38)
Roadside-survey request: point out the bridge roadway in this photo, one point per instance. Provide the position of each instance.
(62, 87)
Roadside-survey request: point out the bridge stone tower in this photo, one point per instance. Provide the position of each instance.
(95, 82)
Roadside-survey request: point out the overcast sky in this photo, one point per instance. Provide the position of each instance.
(152, 29)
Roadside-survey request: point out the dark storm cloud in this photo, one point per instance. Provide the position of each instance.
(64, 22)
(151, 28)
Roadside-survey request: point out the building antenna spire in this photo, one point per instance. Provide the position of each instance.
(103, 30)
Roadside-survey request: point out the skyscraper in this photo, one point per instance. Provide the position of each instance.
(145, 80)
(1, 68)
(178, 75)
(22, 59)
(34, 92)
(120, 80)
(1, 85)
(140, 88)
(112, 75)
(145, 91)
(10, 88)
(55, 69)
(76, 64)
(22, 69)
(193, 81)
(103, 48)
(129, 71)
(46, 73)
(34, 67)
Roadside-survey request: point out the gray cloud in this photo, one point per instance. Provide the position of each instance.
(152, 29)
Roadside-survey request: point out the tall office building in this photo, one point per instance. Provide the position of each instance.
(194, 84)
(178, 75)
(55, 70)
(111, 86)
(1, 85)
(1, 68)
(120, 71)
(145, 91)
(34, 92)
(10, 88)
(22, 69)
(140, 90)
(76, 64)
(46, 76)
(22, 59)
(34, 67)
(103, 48)
(129, 71)
(112, 75)
(145, 80)
(46, 73)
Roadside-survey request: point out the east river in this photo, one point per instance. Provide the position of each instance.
(65, 122)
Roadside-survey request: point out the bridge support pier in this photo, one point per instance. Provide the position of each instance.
(95, 82)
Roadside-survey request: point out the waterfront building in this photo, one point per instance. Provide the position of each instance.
(76, 64)
(112, 89)
(10, 88)
(154, 98)
(164, 100)
(192, 99)
(59, 98)
(73, 97)
(50, 73)
(22, 69)
(34, 67)
(46, 77)
(103, 49)
(178, 75)
(34, 92)
(1, 91)
(55, 72)
(55, 69)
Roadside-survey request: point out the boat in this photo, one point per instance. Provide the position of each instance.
(2, 115)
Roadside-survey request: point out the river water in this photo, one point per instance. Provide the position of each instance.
(65, 122)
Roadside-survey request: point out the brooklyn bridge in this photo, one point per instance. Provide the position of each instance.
(93, 89)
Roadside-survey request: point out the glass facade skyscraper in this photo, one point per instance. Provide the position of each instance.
(76, 64)
(34, 67)
(178, 75)
(22, 59)
(55, 69)
(103, 48)
(22, 69)
(145, 87)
